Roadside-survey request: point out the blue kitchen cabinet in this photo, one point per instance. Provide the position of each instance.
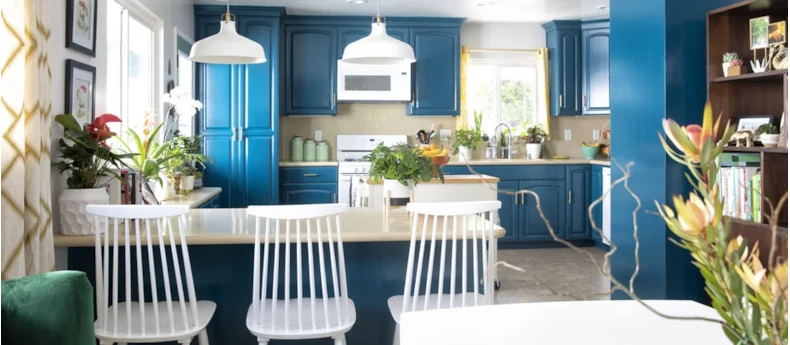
(436, 74)
(508, 214)
(308, 185)
(596, 185)
(212, 203)
(238, 123)
(552, 202)
(349, 34)
(308, 193)
(595, 67)
(311, 53)
(577, 182)
(564, 40)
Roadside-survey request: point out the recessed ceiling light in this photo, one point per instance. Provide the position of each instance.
(602, 7)
(485, 3)
(357, 2)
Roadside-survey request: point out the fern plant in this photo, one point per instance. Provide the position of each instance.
(403, 163)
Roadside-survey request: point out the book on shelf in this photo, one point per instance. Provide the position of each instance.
(740, 192)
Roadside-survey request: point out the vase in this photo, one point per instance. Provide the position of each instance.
(187, 182)
(162, 191)
(398, 193)
(725, 66)
(533, 150)
(464, 154)
(74, 221)
(769, 140)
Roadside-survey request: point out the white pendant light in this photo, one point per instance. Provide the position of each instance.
(227, 46)
(378, 48)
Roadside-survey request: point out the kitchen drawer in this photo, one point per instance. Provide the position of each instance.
(308, 175)
(512, 172)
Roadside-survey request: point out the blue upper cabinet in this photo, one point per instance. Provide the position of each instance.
(595, 67)
(563, 38)
(577, 181)
(310, 71)
(436, 74)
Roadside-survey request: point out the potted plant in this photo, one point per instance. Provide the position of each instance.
(149, 160)
(731, 64)
(467, 140)
(769, 135)
(87, 162)
(534, 137)
(191, 150)
(401, 168)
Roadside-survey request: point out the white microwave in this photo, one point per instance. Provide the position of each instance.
(373, 83)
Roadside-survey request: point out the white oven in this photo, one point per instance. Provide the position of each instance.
(351, 167)
(373, 83)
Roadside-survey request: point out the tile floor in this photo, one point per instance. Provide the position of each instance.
(560, 269)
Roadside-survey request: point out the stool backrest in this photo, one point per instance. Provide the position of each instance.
(460, 222)
(155, 223)
(310, 224)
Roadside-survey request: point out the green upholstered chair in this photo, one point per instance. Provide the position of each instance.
(47, 309)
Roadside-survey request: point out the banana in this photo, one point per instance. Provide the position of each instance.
(429, 153)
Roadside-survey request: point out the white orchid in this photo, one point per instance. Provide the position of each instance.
(180, 99)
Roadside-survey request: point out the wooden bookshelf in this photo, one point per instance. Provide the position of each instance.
(750, 94)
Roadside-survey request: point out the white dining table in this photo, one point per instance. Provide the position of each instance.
(577, 322)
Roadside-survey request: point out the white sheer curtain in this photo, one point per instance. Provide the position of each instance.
(24, 148)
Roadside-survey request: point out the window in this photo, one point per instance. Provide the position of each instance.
(134, 73)
(185, 77)
(503, 86)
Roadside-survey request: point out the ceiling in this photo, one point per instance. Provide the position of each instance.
(512, 11)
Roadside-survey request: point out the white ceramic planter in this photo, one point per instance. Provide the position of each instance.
(533, 150)
(464, 154)
(724, 67)
(398, 193)
(769, 140)
(73, 219)
(163, 191)
(187, 182)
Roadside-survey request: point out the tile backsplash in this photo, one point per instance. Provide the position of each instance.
(391, 118)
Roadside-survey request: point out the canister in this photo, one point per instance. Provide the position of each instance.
(309, 150)
(297, 149)
(322, 151)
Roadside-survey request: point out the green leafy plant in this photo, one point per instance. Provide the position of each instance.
(191, 149)
(766, 129)
(86, 157)
(534, 135)
(150, 157)
(403, 163)
(470, 138)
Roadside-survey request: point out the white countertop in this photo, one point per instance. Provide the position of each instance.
(196, 198)
(308, 164)
(524, 161)
(232, 226)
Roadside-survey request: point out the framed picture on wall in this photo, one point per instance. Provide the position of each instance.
(80, 90)
(81, 26)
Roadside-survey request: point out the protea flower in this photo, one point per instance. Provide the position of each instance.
(691, 139)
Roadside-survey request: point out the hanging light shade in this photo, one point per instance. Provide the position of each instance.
(227, 47)
(378, 48)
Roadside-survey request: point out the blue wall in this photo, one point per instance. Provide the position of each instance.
(658, 67)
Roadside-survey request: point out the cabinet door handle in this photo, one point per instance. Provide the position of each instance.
(515, 200)
(334, 100)
(523, 201)
(310, 175)
(562, 104)
(412, 99)
(584, 102)
(570, 197)
(334, 197)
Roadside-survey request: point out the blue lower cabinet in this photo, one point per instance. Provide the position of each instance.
(577, 221)
(596, 188)
(552, 200)
(212, 203)
(508, 214)
(308, 193)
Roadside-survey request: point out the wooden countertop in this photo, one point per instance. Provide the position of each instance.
(223, 226)
(452, 179)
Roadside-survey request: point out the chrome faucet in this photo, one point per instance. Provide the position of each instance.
(509, 139)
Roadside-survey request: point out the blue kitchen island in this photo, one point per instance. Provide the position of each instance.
(221, 250)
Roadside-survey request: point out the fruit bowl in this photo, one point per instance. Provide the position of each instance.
(589, 152)
(439, 161)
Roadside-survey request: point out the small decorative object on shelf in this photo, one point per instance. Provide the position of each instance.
(779, 56)
(732, 64)
(777, 33)
(783, 131)
(759, 66)
(769, 135)
(467, 140)
(87, 161)
(758, 32)
(743, 139)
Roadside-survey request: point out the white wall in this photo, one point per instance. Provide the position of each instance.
(174, 13)
(503, 35)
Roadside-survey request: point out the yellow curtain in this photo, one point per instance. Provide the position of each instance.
(543, 88)
(25, 122)
(462, 120)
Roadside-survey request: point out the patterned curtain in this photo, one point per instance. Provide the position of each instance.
(543, 88)
(462, 121)
(25, 124)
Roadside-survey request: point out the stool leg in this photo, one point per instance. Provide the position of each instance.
(396, 336)
(262, 341)
(203, 338)
(340, 340)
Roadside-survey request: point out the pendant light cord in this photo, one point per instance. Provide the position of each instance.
(378, 13)
(227, 10)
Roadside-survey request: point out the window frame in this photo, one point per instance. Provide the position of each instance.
(180, 35)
